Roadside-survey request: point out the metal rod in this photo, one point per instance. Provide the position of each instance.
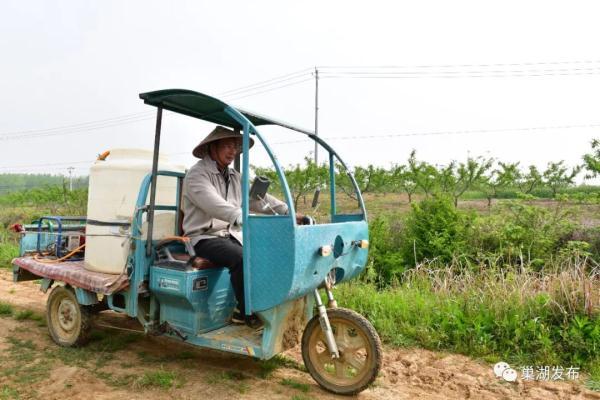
(316, 114)
(153, 185)
(326, 326)
(237, 161)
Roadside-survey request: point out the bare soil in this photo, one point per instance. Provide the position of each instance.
(124, 365)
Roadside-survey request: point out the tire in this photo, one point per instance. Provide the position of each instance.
(69, 322)
(360, 352)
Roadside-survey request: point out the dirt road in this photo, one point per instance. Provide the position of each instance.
(121, 364)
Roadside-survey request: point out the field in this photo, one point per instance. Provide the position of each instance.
(119, 364)
(451, 291)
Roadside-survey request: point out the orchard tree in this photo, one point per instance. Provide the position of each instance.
(371, 179)
(402, 179)
(592, 160)
(447, 178)
(301, 179)
(468, 175)
(503, 177)
(557, 176)
(530, 180)
(424, 174)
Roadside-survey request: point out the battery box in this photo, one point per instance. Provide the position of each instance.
(192, 300)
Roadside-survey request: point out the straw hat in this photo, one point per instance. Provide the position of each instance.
(220, 132)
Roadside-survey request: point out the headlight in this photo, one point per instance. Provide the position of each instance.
(325, 250)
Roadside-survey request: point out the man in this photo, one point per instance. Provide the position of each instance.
(212, 214)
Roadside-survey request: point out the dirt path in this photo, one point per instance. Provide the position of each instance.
(125, 365)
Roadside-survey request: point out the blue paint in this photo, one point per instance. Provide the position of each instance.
(194, 301)
(85, 297)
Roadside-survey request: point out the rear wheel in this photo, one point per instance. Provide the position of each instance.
(68, 321)
(359, 347)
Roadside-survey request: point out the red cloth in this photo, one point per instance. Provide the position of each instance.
(73, 273)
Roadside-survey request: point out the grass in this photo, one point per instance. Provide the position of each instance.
(159, 379)
(300, 397)
(22, 365)
(8, 393)
(267, 367)
(234, 379)
(303, 387)
(516, 315)
(6, 309)
(8, 251)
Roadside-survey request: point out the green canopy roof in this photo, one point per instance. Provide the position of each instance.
(205, 107)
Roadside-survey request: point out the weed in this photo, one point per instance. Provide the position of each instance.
(23, 315)
(11, 291)
(301, 397)
(303, 387)
(110, 342)
(70, 356)
(233, 379)
(116, 381)
(510, 313)
(8, 393)
(267, 367)
(161, 379)
(6, 309)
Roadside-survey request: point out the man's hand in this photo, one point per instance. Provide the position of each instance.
(302, 219)
(238, 221)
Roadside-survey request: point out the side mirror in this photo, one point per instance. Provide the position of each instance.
(259, 188)
(315, 200)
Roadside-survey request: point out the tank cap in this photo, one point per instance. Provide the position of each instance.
(102, 157)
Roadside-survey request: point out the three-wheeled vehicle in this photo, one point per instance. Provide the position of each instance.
(173, 293)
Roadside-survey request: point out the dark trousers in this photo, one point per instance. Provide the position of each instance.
(226, 252)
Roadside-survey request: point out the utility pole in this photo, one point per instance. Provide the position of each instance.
(316, 114)
(70, 169)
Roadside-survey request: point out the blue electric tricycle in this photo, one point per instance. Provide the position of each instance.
(173, 293)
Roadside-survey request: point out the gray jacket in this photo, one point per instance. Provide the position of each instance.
(210, 210)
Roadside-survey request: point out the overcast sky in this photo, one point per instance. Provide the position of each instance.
(519, 80)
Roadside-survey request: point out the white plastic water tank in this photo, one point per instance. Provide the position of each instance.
(113, 191)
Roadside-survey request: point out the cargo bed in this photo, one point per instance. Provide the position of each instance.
(71, 272)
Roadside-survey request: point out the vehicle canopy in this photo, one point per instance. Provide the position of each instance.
(282, 261)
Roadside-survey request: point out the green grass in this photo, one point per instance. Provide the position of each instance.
(233, 379)
(9, 393)
(8, 251)
(6, 309)
(520, 317)
(27, 315)
(303, 387)
(159, 379)
(301, 397)
(267, 367)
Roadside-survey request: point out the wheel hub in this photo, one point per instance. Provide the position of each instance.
(67, 314)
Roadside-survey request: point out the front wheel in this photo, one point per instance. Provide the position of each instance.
(359, 348)
(68, 321)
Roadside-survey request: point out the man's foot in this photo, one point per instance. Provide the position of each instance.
(238, 317)
(253, 321)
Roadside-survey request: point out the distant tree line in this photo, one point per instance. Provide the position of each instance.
(489, 177)
(16, 182)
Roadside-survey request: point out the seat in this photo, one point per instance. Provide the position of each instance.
(170, 253)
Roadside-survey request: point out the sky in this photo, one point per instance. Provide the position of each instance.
(512, 80)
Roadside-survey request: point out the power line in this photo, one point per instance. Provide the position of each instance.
(265, 83)
(458, 132)
(79, 125)
(463, 65)
(454, 75)
(77, 130)
(144, 116)
(328, 72)
(357, 137)
(270, 90)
